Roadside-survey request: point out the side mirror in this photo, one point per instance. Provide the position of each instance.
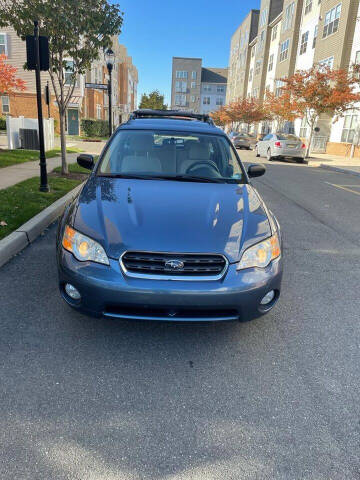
(86, 161)
(256, 170)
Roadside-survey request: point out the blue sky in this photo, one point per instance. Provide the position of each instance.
(156, 30)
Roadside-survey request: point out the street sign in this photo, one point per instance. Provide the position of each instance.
(31, 52)
(99, 86)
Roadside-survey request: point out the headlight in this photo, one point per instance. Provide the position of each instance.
(261, 254)
(82, 247)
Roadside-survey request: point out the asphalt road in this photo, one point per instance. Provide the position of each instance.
(276, 398)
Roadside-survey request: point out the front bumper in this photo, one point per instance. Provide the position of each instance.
(106, 291)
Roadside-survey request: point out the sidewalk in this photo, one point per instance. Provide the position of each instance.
(17, 173)
(336, 163)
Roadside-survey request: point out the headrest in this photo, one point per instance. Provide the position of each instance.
(141, 142)
(198, 152)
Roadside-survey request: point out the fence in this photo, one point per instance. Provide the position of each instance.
(318, 144)
(13, 126)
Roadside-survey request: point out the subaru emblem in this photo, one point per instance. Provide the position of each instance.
(174, 265)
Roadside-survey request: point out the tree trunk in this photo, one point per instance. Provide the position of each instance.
(64, 166)
(310, 140)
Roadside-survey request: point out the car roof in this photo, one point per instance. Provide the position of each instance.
(171, 124)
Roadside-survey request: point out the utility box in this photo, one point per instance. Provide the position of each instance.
(29, 139)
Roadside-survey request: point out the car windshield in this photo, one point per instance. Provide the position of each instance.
(148, 154)
(289, 136)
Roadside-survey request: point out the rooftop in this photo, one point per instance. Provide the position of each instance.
(214, 75)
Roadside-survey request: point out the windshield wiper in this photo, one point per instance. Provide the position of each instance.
(189, 178)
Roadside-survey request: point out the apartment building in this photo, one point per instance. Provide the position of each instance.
(196, 88)
(294, 35)
(85, 102)
(240, 58)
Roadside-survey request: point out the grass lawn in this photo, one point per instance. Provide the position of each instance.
(22, 201)
(13, 157)
(73, 168)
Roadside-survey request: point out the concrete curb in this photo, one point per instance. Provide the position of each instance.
(339, 169)
(29, 231)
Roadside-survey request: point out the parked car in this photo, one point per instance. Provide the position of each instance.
(281, 145)
(169, 227)
(244, 140)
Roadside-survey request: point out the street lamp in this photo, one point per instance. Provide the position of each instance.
(110, 60)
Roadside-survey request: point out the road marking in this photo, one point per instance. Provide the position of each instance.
(343, 187)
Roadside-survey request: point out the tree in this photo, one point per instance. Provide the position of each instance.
(8, 79)
(318, 91)
(280, 108)
(220, 116)
(153, 100)
(246, 110)
(77, 31)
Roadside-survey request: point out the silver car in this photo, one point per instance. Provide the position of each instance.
(281, 145)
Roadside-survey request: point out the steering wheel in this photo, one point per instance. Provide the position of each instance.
(207, 163)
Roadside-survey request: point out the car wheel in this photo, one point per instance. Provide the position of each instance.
(268, 155)
(300, 160)
(257, 153)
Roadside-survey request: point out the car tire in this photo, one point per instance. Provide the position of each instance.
(268, 155)
(300, 160)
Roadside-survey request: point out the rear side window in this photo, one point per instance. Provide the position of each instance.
(284, 136)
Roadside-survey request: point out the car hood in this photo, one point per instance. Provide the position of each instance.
(170, 216)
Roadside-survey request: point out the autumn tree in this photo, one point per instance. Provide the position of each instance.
(9, 82)
(220, 116)
(78, 31)
(320, 90)
(246, 110)
(280, 108)
(153, 100)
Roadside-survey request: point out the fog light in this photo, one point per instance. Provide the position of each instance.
(269, 297)
(72, 292)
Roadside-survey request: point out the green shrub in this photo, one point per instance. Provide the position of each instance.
(94, 128)
(2, 123)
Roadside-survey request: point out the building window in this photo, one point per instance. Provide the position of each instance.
(350, 127)
(263, 18)
(5, 104)
(69, 73)
(308, 6)
(181, 74)
(193, 84)
(3, 44)
(327, 62)
(331, 23)
(284, 50)
(257, 67)
(193, 75)
(192, 98)
(274, 32)
(288, 18)
(255, 92)
(250, 74)
(304, 42)
(278, 87)
(206, 100)
(98, 112)
(303, 128)
(207, 88)
(180, 100)
(219, 101)
(271, 62)
(220, 89)
(181, 87)
(315, 36)
(261, 41)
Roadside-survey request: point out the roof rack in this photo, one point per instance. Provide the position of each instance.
(147, 112)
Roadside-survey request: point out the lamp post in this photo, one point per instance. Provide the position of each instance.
(110, 60)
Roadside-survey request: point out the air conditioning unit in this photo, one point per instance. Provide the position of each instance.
(29, 139)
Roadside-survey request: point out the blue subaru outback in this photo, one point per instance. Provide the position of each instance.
(168, 227)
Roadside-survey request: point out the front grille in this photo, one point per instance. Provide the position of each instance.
(171, 264)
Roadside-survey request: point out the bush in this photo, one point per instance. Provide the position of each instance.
(2, 123)
(94, 128)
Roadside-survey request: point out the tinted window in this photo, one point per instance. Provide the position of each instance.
(267, 137)
(285, 136)
(161, 153)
